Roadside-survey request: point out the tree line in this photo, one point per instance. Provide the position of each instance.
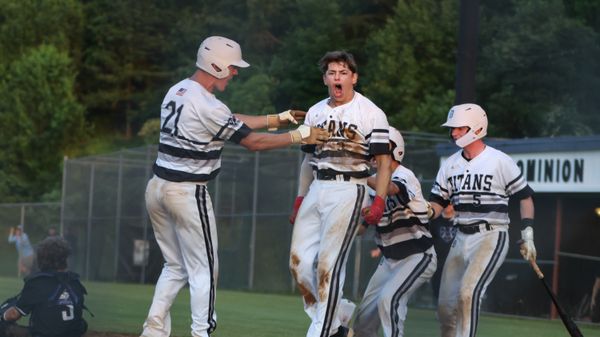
(79, 77)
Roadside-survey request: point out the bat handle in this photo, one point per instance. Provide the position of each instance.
(537, 270)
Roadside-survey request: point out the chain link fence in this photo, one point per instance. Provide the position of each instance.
(105, 220)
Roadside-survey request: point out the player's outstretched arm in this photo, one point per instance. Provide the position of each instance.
(256, 141)
(272, 122)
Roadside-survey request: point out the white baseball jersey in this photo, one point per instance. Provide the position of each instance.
(479, 189)
(357, 130)
(329, 216)
(403, 229)
(194, 126)
(409, 259)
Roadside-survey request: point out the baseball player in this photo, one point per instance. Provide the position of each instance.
(409, 259)
(478, 180)
(332, 191)
(53, 297)
(194, 128)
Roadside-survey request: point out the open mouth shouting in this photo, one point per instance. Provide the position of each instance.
(337, 91)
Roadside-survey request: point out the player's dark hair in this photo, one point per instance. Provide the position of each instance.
(337, 56)
(52, 254)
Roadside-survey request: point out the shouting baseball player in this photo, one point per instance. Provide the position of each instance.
(407, 246)
(478, 180)
(332, 191)
(194, 128)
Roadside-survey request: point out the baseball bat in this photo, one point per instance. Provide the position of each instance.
(572, 328)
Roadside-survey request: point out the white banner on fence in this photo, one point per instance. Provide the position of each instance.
(572, 172)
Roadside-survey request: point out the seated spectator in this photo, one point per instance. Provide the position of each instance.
(53, 297)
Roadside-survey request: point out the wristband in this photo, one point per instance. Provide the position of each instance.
(526, 222)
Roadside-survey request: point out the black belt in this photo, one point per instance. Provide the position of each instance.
(472, 229)
(328, 175)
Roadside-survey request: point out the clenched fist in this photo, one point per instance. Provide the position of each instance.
(527, 248)
(309, 135)
(372, 214)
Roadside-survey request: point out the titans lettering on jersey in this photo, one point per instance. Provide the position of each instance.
(357, 131)
(403, 229)
(480, 188)
(194, 128)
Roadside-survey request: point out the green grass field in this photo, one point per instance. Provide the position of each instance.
(122, 308)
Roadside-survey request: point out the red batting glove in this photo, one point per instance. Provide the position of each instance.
(372, 214)
(297, 204)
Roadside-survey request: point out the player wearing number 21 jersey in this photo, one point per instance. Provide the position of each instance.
(194, 128)
(478, 180)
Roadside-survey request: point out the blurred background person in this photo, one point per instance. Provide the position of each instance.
(24, 248)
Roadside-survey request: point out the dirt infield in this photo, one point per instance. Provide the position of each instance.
(107, 334)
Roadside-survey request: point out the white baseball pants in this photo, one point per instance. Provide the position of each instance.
(324, 230)
(385, 300)
(185, 229)
(470, 267)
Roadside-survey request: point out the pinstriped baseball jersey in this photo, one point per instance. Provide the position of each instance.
(480, 188)
(357, 130)
(403, 229)
(194, 128)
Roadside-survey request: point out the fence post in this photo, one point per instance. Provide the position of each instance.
(63, 196)
(253, 228)
(118, 216)
(89, 222)
(145, 215)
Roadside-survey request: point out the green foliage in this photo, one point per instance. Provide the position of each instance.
(45, 119)
(410, 72)
(316, 29)
(538, 76)
(537, 67)
(150, 131)
(251, 96)
(126, 42)
(27, 24)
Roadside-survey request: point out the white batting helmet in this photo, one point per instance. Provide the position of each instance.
(217, 53)
(471, 115)
(397, 144)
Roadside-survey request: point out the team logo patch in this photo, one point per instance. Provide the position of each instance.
(447, 233)
(181, 92)
(232, 121)
(450, 114)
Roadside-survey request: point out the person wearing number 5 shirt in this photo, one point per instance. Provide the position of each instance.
(194, 128)
(478, 181)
